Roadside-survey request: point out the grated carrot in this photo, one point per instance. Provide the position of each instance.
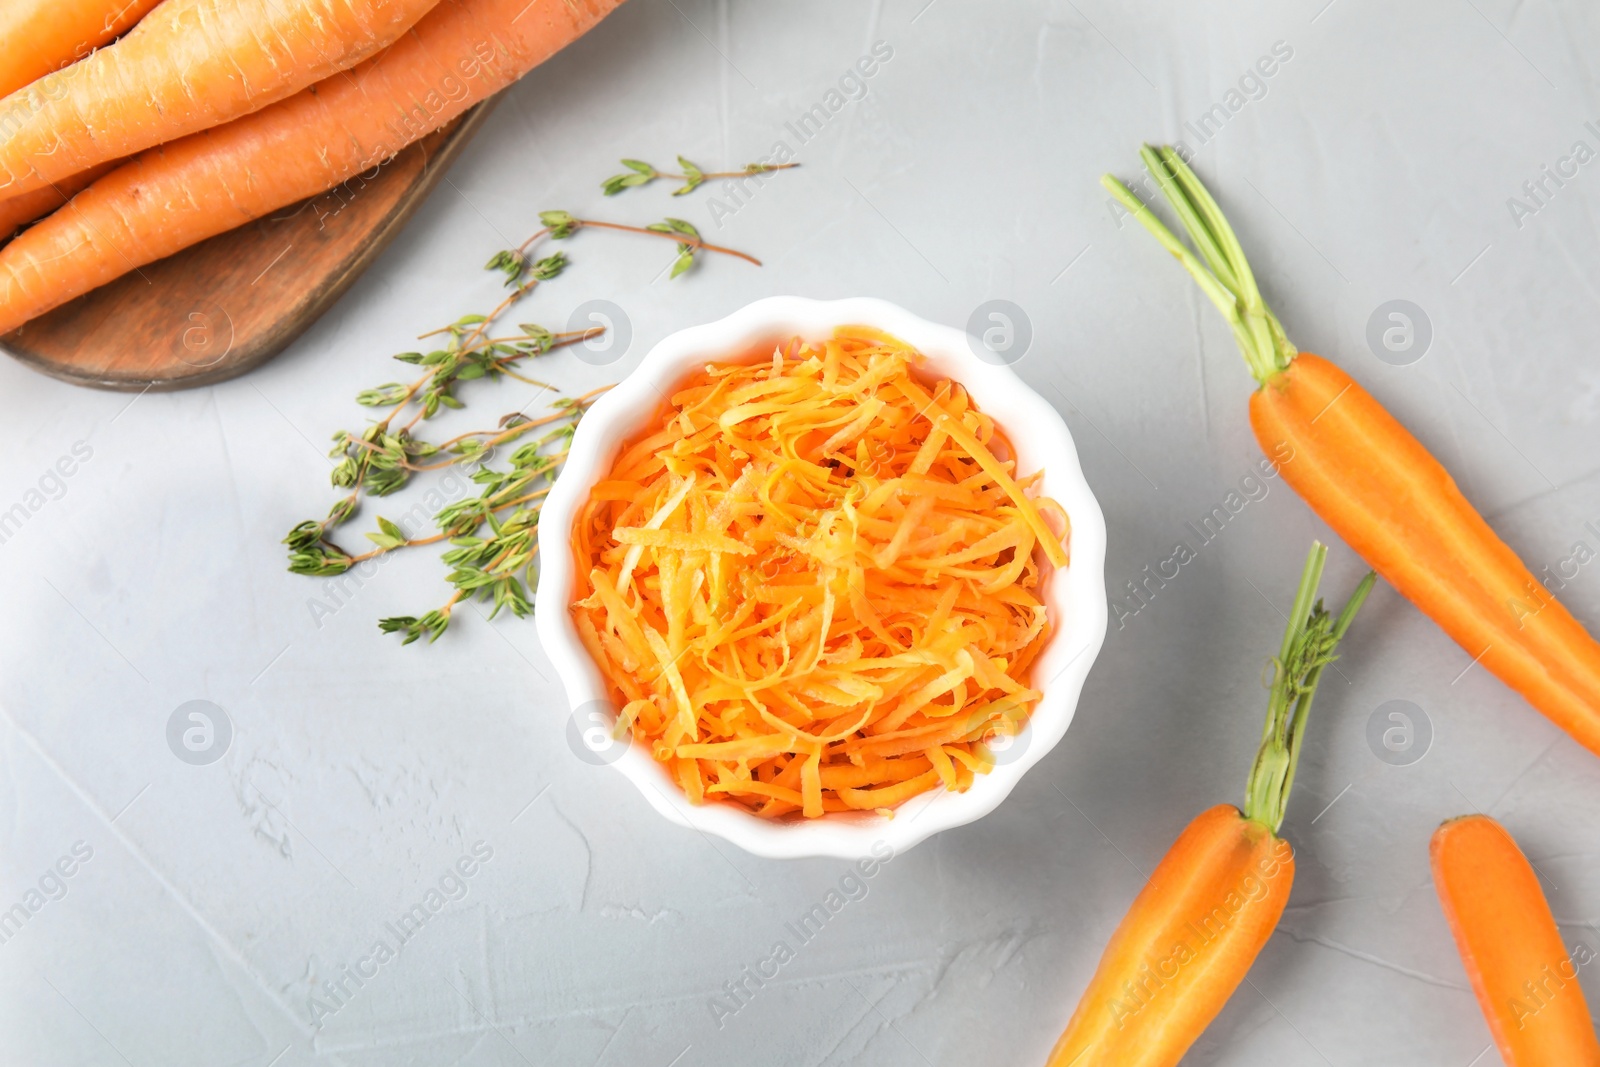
(813, 582)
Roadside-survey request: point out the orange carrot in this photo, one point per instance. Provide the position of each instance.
(188, 65)
(1216, 896)
(1376, 484)
(1184, 946)
(38, 36)
(21, 210)
(810, 565)
(1525, 980)
(208, 183)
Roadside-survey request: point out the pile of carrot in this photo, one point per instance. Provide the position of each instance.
(1194, 930)
(814, 582)
(143, 128)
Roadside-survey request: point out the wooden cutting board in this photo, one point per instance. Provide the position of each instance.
(226, 305)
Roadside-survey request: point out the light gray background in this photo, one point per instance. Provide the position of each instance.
(1377, 166)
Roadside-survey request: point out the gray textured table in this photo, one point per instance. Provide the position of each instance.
(1377, 162)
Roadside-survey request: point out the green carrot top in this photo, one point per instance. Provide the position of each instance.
(1225, 275)
(1308, 646)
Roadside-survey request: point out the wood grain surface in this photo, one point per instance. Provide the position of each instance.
(231, 303)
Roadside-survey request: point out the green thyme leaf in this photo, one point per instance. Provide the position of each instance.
(559, 223)
(340, 513)
(385, 395)
(680, 226)
(432, 626)
(550, 266)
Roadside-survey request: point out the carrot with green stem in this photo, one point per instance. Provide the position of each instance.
(1524, 978)
(39, 36)
(1376, 485)
(1216, 896)
(187, 66)
(182, 193)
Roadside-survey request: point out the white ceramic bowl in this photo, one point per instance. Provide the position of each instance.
(1076, 596)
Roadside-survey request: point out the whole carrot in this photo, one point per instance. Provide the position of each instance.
(38, 36)
(180, 194)
(1525, 980)
(21, 210)
(187, 66)
(1377, 486)
(1216, 896)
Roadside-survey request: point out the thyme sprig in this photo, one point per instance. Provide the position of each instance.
(642, 173)
(498, 567)
(312, 552)
(560, 225)
(493, 535)
(489, 568)
(381, 458)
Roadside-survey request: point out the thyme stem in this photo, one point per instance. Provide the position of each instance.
(680, 238)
